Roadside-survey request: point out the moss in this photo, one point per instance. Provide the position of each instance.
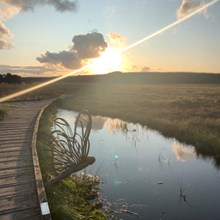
(68, 199)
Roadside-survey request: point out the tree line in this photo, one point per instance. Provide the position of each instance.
(10, 78)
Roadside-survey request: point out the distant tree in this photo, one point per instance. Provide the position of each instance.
(10, 78)
(1, 78)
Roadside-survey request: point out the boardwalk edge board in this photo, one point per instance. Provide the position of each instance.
(42, 198)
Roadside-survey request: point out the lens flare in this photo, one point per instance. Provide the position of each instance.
(25, 91)
(186, 17)
(200, 9)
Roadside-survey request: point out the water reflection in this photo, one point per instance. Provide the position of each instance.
(182, 152)
(146, 171)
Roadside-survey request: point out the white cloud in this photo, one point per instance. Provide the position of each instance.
(188, 6)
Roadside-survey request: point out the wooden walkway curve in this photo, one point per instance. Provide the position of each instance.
(18, 191)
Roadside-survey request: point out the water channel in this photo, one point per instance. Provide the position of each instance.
(155, 177)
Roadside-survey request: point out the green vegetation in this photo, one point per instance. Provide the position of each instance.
(69, 199)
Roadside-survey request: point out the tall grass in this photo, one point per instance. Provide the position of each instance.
(190, 113)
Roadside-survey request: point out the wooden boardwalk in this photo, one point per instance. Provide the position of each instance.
(18, 191)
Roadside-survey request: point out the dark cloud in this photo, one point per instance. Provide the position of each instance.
(8, 8)
(89, 45)
(85, 47)
(60, 5)
(188, 6)
(68, 59)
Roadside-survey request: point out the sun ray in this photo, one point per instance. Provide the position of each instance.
(109, 61)
(200, 9)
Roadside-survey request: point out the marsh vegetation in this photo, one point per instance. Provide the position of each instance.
(189, 112)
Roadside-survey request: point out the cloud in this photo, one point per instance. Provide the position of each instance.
(4, 31)
(116, 40)
(4, 44)
(89, 45)
(28, 70)
(59, 5)
(85, 47)
(145, 69)
(68, 59)
(113, 35)
(7, 11)
(4, 35)
(9, 8)
(188, 6)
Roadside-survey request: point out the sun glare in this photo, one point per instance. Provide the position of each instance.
(109, 61)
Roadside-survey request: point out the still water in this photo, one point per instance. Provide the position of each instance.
(156, 177)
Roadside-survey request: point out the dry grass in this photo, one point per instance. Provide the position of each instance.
(188, 112)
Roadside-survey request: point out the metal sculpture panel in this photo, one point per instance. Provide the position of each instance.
(69, 148)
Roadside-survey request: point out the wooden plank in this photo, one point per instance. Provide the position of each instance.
(18, 191)
(20, 202)
(13, 159)
(24, 214)
(15, 141)
(13, 149)
(15, 180)
(12, 172)
(13, 155)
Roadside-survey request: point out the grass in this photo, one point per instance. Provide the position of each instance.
(190, 113)
(69, 199)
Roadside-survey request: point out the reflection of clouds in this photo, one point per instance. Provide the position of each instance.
(98, 122)
(182, 152)
(114, 125)
(111, 125)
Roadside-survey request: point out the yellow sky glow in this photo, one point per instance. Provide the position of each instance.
(109, 61)
(110, 57)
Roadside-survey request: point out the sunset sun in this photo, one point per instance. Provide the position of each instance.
(110, 60)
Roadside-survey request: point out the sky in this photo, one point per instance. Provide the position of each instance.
(54, 37)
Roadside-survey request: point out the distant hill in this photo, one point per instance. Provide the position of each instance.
(151, 77)
(142, 78)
